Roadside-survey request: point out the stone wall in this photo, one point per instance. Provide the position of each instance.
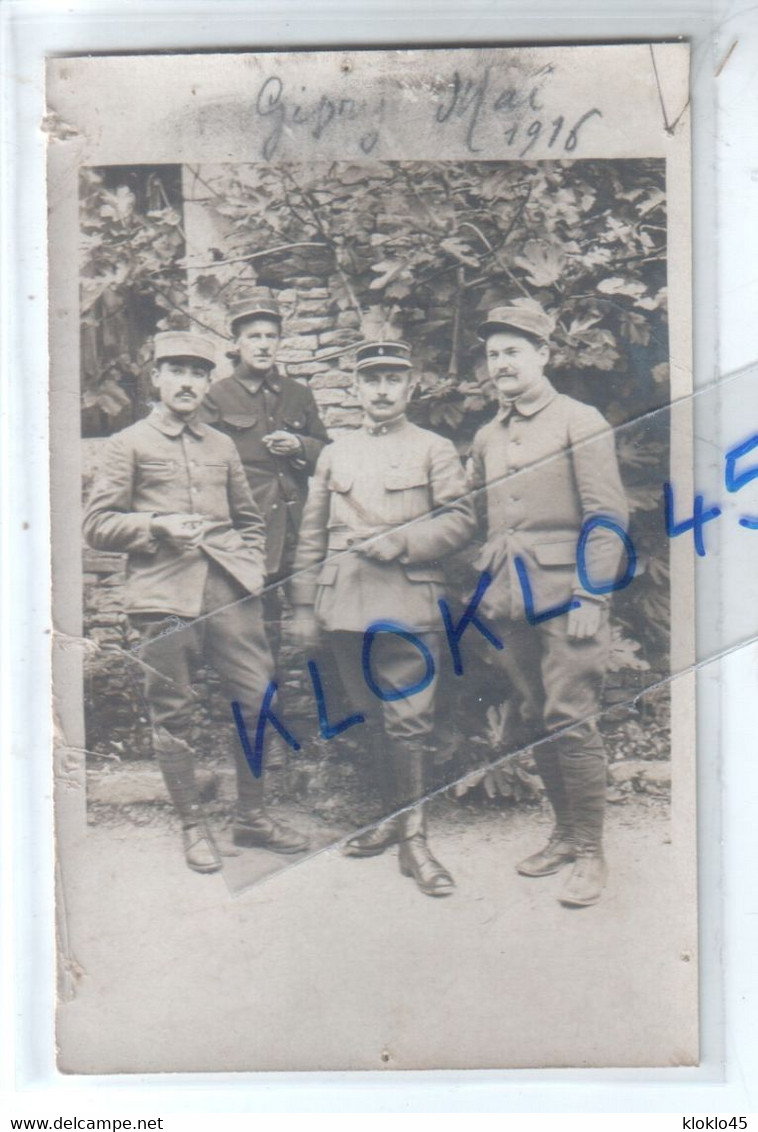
(319, 336)
(317, 349)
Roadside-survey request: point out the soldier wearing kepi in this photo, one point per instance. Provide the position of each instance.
(274, 422)
(387, 502)
(172, 494)
(545, 464)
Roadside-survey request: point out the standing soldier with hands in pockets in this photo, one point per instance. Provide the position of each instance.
(545, 465)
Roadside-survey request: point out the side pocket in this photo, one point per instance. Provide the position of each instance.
(328, 574)
(555, 553)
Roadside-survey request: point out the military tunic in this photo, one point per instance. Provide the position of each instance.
(160, 466)
(185, 601)
(395, 479)
(542, 467)
(404, 483)
(248, 407)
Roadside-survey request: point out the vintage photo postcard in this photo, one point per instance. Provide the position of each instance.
(375, 715)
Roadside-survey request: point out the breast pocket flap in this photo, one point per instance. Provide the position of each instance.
(157, 467)
(239, 421)
(340, 481)
(405, 478)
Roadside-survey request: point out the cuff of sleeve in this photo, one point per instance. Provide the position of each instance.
(596, 599)
(299, 458)
(149, 543)
(303, 593)
(400, 540)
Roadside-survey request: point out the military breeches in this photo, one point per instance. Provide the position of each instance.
(275, 596)
(557, 680)
(228, 637)
(395, 664)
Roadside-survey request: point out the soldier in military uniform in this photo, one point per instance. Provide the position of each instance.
(274, 423)
(543, 466)
(386, 504)
(172, 494)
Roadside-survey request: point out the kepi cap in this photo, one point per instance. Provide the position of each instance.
(383, 354)
(532, 320)
(184, 344)
(258, 302)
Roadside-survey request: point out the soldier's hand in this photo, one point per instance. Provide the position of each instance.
(183, 531)
(281, 442)
(386, 548)
(258, 588)
(304, 628)
(584, 622)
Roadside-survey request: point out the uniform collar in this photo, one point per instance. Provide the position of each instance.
(252, 382)
(165, 421)
(529, 403)
(381, 428)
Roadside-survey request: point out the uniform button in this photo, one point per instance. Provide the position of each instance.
(274, 506)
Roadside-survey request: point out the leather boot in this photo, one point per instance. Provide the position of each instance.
(415, 858)
(253, 827)
(177, 762)
(552, 857)
(584, 884)
(385, 833)
(559, 849)
(584, 774)
(260, 831)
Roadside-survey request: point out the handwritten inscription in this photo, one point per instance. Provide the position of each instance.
(477, 104)
(480, 105)
(316, 117)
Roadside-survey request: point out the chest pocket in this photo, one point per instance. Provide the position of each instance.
(293, 423)
(239, 422)
(214, 473)
(561, 553)
(341, 514)
(156, 471)
(340, 482)
(408, 493)
(403, 478)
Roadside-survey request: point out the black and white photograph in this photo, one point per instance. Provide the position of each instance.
(375, 719)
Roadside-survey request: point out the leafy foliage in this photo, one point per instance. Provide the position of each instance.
(131, 278)
(421, 250)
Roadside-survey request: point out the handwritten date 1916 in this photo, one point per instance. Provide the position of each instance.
(476, 102)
